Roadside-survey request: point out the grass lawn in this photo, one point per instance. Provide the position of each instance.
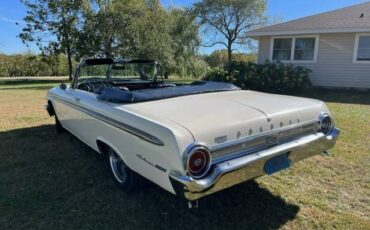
(55, 181)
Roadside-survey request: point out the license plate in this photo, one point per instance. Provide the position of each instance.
(277, 163)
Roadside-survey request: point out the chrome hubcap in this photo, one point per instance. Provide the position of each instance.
(118, 167)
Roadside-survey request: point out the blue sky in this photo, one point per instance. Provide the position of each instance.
(12, 11)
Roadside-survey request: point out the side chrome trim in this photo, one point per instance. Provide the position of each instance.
(237, 148)
(232, 143)
(125, 127)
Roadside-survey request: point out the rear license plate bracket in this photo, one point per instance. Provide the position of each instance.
(277, 164)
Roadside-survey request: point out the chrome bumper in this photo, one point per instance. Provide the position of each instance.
(238, 170)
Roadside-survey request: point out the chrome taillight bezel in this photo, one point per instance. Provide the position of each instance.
(192, 149)
(323, 119)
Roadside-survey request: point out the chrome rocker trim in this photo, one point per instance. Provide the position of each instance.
(250, 166)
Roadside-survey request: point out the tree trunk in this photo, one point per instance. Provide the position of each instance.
(69, 57)
(229, 54)
(66, 34)
(109, 48)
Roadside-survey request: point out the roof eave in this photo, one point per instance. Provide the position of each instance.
(255, 34)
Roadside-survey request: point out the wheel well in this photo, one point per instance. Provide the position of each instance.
(103, 147)
(50, 108)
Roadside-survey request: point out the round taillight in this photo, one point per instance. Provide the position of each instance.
(198, 162)
(326, 124)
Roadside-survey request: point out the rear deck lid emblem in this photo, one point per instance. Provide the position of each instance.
(271, 140)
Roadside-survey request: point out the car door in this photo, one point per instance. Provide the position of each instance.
(87, 128)
(84, 103)
(67, 110)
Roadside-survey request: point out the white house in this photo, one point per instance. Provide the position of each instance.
(335, 45)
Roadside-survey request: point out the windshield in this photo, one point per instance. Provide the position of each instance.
(118, 72)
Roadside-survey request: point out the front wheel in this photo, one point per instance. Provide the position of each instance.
(58, 127)
(127, 179)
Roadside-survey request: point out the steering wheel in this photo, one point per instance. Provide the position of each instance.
(95, 84)
(104, 84)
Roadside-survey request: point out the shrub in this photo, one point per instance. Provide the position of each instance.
(218, 74)
(197, 68)
(28, 64)
(274, 77)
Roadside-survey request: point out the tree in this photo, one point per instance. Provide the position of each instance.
(54, 22)
(107, 27)
(150, 36)
(29, 64)
(185, 40)
(229, 20)
(116, 29)
(218, 58)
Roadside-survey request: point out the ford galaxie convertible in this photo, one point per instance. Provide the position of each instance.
(191, 139)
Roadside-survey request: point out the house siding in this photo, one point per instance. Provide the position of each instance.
(334, 66)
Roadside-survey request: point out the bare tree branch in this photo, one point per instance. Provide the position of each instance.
(216, 26)
(212, 44)
(231, 19)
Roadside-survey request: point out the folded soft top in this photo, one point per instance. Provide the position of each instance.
(121, 96)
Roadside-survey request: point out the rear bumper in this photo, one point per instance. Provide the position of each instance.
(238, 170)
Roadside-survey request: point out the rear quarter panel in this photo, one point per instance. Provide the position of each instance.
(152, 161)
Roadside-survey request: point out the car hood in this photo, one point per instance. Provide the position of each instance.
(214, 118)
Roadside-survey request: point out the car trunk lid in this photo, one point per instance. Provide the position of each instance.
(215, 118)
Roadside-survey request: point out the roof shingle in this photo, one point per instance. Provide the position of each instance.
(341, 20)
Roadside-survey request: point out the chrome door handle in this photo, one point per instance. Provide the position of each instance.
(76, 98)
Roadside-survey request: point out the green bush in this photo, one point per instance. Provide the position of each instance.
(218, 74)
(274, 77)
(29, 64)
(194, 67)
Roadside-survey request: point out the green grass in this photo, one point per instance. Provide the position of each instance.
(55, 181)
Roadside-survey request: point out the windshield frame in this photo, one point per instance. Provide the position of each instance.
(109, 61)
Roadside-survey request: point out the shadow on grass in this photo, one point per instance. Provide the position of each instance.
(50, 180)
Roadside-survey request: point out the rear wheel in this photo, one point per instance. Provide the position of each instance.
(127, 179)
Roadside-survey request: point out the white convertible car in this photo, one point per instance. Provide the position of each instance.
(190, 139)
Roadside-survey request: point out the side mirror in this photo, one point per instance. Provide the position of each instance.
(63, 86)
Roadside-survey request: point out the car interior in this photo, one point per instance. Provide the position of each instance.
(127, 75)
(130, 81)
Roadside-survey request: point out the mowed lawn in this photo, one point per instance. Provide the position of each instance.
(50, 181)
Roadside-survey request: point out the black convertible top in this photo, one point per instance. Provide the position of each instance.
(108, 61)
(122, 96)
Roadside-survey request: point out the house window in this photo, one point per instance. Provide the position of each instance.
(363, 48)
(304, 49)
(282, 49)
(295, 49)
